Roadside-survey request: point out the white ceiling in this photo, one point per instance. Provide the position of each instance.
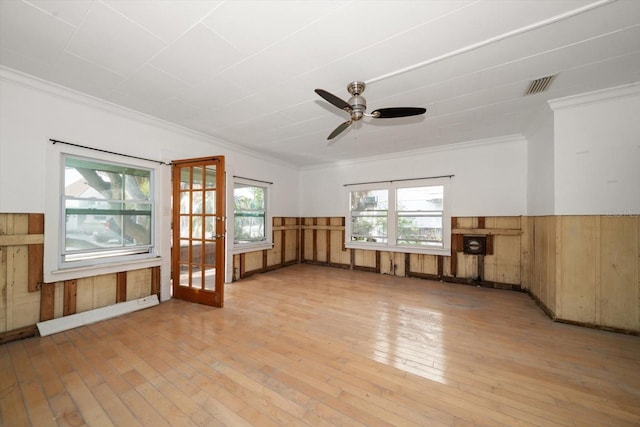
(244, 71)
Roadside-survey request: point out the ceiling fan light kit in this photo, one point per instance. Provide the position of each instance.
(357, 106)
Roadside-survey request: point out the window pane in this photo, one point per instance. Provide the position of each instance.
(249, 227)
(420, 230)
(137, 187)
(370, 200)
(369, 228)
(421, 198)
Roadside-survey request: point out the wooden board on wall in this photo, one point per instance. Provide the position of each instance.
(619, 282)
(504, 265)
(579, 264)
(321, 240)
(543, 284)
(95, 292)
(274, 255)
(19, 307)
(423, 264)
(364, 258)
(253, 261)
(138, 283)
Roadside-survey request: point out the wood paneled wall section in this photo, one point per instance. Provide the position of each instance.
(25, 300)
(598, 264)
(586, 269)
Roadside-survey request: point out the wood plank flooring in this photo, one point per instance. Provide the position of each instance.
(309, 345)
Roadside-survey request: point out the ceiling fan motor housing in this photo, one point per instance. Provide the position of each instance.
(357, 102)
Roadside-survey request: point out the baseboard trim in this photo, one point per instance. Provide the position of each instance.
(80, 319)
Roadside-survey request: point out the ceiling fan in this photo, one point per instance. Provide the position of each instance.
(357, 105)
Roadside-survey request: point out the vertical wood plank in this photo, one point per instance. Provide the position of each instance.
(121, 286)
(36, 253)
(70, 295)
(155, 281)
(242, 265)
(407, 264)
(283, 246)
(299, 240)
(315, 241)
(47, 301)
(328, 249)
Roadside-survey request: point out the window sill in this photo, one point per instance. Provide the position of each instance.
(252, 247)
(98, 269)
(404, 249)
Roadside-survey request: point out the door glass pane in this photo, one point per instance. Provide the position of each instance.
(210, 254)
(185, 178)
(196, 207)
(197, 178)
(185, 201)
(210, 227)
(184, 251)
(196, 277)
(210, 202)
(210, 177)
(196, 227)
(184, 275)
(210, 278)
(184, 226)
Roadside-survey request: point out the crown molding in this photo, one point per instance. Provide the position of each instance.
(422, 151)
(32, 82)
(602, 95)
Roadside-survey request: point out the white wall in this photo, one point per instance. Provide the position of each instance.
(33, 111)
(540, 161)
(597, 153)
(490, 177)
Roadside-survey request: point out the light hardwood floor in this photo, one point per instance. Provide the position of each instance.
(309, 345)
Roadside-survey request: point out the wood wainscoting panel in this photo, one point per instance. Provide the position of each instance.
(504, 264)
(20, 307)
(138, 283)
(544, 260)
(619, 282)
(579, 268)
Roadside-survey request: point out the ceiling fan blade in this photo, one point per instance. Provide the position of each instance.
(390, 113)
(337, 131)
(334, 100)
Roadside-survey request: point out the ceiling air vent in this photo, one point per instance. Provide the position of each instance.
(539, 85)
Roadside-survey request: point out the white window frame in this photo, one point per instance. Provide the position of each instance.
(392, 217)
(267, 243)
(54, 268)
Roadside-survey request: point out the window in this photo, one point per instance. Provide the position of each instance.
(251, 220)
(106, 211)
(402, 216)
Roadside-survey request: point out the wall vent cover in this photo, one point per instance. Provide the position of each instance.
(539, 85)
